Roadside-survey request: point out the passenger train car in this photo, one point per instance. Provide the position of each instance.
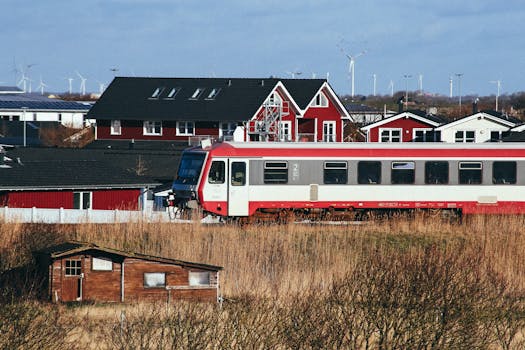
(329, 179)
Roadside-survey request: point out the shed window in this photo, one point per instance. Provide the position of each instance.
(402, 173)
(154, 279)
(199, 278)
(73, 267)
(470, 173)
(275, 172)
(82, 200)
(369, 172)
(504, 173)
(335, 173)
(100, 264)
(217, 172)
(436, 173)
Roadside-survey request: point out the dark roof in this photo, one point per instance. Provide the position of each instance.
(515, 136)
(158, 165)
(37, 102)
(138, 145)
(10, 89)
(19, 174)
(74, 247)
(503, 116)
(361, 108)
(238, 98)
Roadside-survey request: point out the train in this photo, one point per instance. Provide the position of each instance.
(286, 181)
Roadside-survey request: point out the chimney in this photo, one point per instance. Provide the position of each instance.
(475, 106)
(229, 82)
(400, 106)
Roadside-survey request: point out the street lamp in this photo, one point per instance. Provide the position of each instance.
(24, 109)
(406, 76)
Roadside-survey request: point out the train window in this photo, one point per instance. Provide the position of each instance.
(436, 173)
(275, 172)
(335, 173)
(470, 173)
(369, 172)
(402, 173)
(217, 172)
(238, 176)
(504, 173)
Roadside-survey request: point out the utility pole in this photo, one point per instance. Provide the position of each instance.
(459, 75)
(406, 76)
(498, 83)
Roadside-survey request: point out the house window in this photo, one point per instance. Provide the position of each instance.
(402, 173)
(227, 129)
(423, 135)
(320, 100)
(196, 94)
(436, 173)
(116, 128)
(470, 173)
(504, 173)
(390, 135)
(172, 93)
(217, 172)
(185, 128)
(152, 128)
(285, 131)
(328, 131)
(465, 136)
(213, 93)
(275, 172)
(335, 173)
(274, 100)
(199, 278)
(238, 175)
(156, 93)
(101, 264)
(73, 267)
(369, 172)
(82, 200)
(154, 279)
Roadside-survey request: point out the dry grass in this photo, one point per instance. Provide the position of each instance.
(290, 264)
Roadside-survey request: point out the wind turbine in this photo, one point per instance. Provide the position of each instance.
(82, 84)
(41, 86)
(375, 79)
(420, 77)
(451, 85)
(498, 83)
(351, 66)
(391, 88)
(101, 87)
(70, 84)
(294, 73)
(23, 81)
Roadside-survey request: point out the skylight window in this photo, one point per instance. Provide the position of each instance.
(213, 93)
(196, 94)
(157, 92)
(173, 92)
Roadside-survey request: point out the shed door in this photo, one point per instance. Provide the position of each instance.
(238, 189)
(72, 280)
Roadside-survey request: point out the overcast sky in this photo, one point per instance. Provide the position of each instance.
(482, 39)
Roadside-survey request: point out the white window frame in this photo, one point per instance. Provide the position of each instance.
(463, 138)
(285, 130)
(390, 130)
(149, 127)
(182, 128)
(329, 131)
(116, 127)
(425, 134)
(320, 100)
(82, 195)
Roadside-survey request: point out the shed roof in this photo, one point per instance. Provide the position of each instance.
(236, 99)
(74, 247)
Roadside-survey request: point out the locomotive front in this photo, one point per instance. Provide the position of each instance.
(186, 183)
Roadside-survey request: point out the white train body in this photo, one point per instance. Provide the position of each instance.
(243, 179)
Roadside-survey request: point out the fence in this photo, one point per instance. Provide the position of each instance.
(77, 216)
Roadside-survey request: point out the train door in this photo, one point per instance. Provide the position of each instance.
(238, 189)
(216, 189)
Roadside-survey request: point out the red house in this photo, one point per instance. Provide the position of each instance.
(76, 272)
(71, 184)
(186, 108)
(408, 126)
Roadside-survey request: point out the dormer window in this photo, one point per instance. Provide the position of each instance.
(213, 93)
(172, 93)
(320, 100)
(156, 93)
(196, 94)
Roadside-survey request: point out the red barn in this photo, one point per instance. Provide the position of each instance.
(79, 271)
(185, 108)
(408, 126)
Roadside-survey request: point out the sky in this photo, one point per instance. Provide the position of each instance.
(484, 40)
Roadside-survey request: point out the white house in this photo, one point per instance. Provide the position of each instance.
(479, 127)
(15, 105)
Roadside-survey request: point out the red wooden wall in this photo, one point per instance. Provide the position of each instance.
(407, 124)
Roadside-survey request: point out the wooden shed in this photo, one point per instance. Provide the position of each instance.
(78, 271)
